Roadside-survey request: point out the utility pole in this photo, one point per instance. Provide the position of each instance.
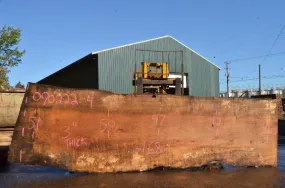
(259, 79)
(228, 77)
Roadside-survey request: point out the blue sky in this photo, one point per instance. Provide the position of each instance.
(55, 33)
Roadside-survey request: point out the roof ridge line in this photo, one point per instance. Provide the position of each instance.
(96, 52)
(165, 36)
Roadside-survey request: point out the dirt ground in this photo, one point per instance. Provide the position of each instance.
(15, 175)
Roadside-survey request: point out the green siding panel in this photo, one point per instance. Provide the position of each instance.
(115, 67)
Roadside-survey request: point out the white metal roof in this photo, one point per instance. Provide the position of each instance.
(156, 39)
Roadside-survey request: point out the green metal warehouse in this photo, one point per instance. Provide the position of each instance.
(112, 69)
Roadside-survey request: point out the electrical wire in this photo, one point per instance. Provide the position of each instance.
(257, 57)
(274, 43)
(256, 78)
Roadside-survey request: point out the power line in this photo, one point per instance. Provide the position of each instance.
(273, 35)
(274, 43)
(239, 77)
(258, 57)
(268, 54)
(256, 78)
(270, 76)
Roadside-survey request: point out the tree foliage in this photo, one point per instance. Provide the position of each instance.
(19, 85)
(4, 80)
(10, 55)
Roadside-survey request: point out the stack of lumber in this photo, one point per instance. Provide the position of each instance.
(6, 135)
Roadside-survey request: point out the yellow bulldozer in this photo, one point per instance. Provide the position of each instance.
(154, 78)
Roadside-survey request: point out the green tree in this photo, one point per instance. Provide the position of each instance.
(10, 55)
(4, 80)
(19, 85)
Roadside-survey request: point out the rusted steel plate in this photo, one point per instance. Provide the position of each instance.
(96, 131)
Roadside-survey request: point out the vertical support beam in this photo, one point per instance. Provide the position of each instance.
(182, 75)
(259, 70)
(228, 78)
(178, 86)
(135, 78)
(175, 62)
(139, 84)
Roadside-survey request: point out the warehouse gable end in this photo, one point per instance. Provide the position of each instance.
(167, 36)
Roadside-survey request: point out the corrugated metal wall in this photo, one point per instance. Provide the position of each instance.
(117, 65)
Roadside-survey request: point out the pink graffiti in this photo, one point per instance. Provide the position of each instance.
(35, 123)
(74, 124)
(23, 132)
(67, 97)
(26, 137)
(20, 157)
(150, 147)
(67, 130)
(60, 98)
(108, 126)
(53, 99)
(39, 96)
(158, 118)
(90, 100)
(74, 101)
(71, 141)
(45, 96)
(59, 101)
(76, 142)
(143, 148)
(48, 98)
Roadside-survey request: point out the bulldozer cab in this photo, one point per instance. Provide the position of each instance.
(154, 75)
(155, 71)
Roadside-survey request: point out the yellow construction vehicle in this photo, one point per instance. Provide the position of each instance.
(156, 71)
(154, 78)
(154, 75)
